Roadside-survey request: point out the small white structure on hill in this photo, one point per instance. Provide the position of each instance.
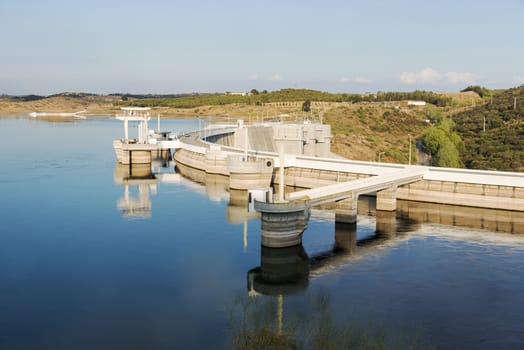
(416, 103)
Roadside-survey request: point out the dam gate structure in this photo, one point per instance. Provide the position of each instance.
(297, 155)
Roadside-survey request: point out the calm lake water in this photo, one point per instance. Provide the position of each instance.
(86, 263)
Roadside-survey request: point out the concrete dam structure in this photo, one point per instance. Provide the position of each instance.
(284, 157)
(309, 139)
(247, 154)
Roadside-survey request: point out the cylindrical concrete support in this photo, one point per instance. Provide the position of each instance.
(280, 230)
(282, 224)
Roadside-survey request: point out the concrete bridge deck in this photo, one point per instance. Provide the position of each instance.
(340, 191)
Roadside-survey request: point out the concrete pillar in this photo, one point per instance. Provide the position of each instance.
(281, 171)
(387, 199)
(126, 130)
(346, 210)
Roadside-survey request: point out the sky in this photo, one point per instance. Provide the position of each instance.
(157, 46)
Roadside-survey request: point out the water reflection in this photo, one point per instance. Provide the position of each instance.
(281, 271)
(288, 271)
(56, 119)
(216, 188)
(139, 182)
(285, 271)
(476, 218)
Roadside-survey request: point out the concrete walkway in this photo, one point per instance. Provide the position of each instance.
(340, 191)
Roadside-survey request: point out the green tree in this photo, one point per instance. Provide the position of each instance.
(306, 106)
(448, 156)
(444, 144)
(482, 91)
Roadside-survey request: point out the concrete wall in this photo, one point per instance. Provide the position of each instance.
(300, 139)
(432, 191)
(305, 139)
(464, 194)
(311, 178)
(259, 138)
(224, 139)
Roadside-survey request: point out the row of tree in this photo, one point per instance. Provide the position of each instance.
(287, 95)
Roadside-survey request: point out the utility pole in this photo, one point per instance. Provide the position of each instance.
(281, 170)
(410, 149)
(379, 154)
(515, 103)
(484, 127)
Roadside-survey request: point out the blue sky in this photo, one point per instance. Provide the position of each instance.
(51, 46)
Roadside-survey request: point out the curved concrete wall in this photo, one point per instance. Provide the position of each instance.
(463, 187)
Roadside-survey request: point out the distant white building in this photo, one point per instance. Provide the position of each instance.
(236, 93)
(416, 103)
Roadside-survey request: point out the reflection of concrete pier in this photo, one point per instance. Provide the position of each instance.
(139, 177)
(285, 271)
(281, 271)
(476, 218)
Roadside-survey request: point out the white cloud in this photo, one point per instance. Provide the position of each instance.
(359, 80)
(362, 80)
(432, 76)
(272, 77)
(460, 78)
(426, 75)
(408, 78)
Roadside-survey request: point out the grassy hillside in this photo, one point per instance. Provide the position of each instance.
(94, 104)
(361, 132)
(493, 133)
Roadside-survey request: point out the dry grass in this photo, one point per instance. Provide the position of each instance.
(361, 132)
(463, 98)
(93, 105)
(103, 106)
